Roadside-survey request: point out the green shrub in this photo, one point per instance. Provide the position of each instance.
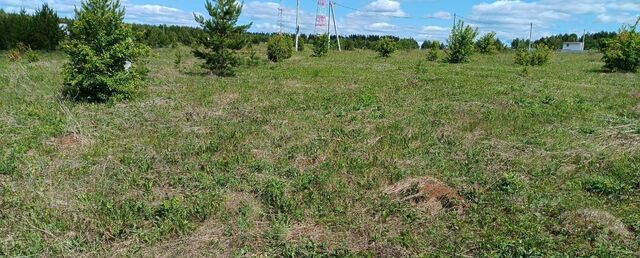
(604, 185)
(622, 53)
(487, 44)
(32, 56)
(279, 48)
(386, 47)
(321, 46)
(17, 53)
(301, 44)
(433, 54)
(103, 55)
(540, 55)
(461, 43)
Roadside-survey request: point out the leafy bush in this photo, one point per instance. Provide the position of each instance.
(461, 43)
(386, 47)
(320, 46)
(622, 53)
(604, 185)
(32, 56)
(433, 54)
(487, 44)
(279, 48)
(223, 38)
(103, 56)
(540, 55)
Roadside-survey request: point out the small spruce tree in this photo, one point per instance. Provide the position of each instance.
(461, 43)
(279, 48)
(223, 38)
(103, 55)
(488, 44)
(386, 46)
(321, 46)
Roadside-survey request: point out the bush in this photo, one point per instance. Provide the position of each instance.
(433, 55)
(487, 44)
(622, 53)
(103, 55)
(386, 47)
(540, 55)
(320, 46)
(301, 44)
(279, 48)
(461, 43)
(32, 56)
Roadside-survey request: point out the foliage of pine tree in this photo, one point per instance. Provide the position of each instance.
(321, 46)
(104, 60)
(461, 43)
(223, 38)
(45, 29)
(279, 48)
(622, 53)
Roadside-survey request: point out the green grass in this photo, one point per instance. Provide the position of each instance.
(290, 159)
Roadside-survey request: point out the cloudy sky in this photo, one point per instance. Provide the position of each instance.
(420, 19)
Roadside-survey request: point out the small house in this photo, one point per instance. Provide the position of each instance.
(572, 47)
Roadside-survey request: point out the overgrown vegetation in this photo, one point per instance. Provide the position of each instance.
(622, 53)
(321, 46)
(461, 43)
(223, 37)
(386, 47)
(539, 55)
(104, 60)
(489, 44)
(279, 48)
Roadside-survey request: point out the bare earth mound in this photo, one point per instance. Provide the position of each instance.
(427, 194)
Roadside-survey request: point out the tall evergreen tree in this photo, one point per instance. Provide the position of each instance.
(46, 31)
(103, 54)
(222, 37)
(3, 27)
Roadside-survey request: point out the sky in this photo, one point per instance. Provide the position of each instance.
(419, 19)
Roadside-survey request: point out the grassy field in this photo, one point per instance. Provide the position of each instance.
(294, 159)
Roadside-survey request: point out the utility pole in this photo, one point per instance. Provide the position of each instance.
(297, 24)
(335, 25)
(530, 36)
(584, 37)
(455, 16)
(329, 27)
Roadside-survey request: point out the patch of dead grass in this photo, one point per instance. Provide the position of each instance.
(427, 194)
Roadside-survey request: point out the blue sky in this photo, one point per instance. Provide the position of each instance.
(420, 19)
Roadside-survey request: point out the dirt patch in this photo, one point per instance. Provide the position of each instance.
(427, 194)
(68, 141)
(590, 221)
(636, 95)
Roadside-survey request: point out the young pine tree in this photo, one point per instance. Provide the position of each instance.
(46, 31)
(222, 37)
(102, 53)
(488, 44)
(461, 43)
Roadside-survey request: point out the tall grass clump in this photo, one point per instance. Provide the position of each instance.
(461, 43)
(103, 54)
(622, 53)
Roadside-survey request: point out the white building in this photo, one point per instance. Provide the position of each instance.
(572, 47)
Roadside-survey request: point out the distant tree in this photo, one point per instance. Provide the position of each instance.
(321, 46)
(102, 54)
(223, 38)
(622, 53)
(487, 44)
(46, 31)
(427, 44)
(386, 47)
(279, 48)
(4, 26)
(461, 43)
(407, 44)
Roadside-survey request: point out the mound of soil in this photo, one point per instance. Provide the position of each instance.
(593, 221)
(427, 194)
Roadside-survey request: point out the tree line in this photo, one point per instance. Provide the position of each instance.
(592, 41)
(40, 30)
